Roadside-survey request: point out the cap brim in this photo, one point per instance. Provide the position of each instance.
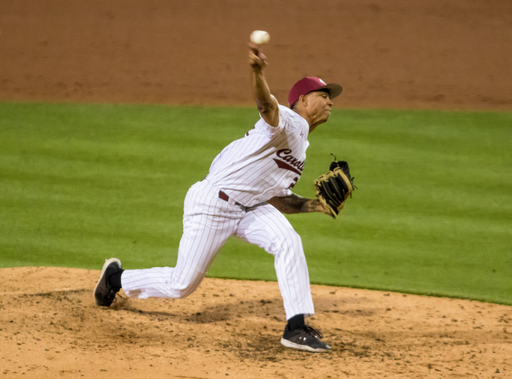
(333, 89)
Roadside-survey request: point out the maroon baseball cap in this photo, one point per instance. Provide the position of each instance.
(311, 84)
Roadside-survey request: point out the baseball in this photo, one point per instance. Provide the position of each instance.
(260, 37)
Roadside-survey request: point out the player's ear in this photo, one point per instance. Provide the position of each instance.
(304, 100)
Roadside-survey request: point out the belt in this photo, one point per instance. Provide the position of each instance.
(225, 197)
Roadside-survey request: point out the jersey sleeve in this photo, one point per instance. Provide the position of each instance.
(285, 192)
(286, 122)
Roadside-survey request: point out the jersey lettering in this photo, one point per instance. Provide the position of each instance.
(288, 161)
(266, 163)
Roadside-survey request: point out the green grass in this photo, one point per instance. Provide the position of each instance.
(432, 215)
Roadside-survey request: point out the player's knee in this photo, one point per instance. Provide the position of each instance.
(295, 240)
(183, 292)
(186, 286)
(288, 241)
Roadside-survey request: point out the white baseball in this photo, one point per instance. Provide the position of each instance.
(260, 37)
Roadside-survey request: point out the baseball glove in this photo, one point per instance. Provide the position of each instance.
(334, 187)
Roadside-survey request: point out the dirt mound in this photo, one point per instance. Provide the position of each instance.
(50, 327)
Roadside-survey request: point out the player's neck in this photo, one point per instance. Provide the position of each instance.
(306, 116)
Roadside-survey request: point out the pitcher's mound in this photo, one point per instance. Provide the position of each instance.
(50, 327)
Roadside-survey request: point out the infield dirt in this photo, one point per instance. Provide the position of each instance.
(447, 54)
(443, 54)
(50, 327)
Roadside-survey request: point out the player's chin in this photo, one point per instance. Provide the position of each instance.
(323, 117)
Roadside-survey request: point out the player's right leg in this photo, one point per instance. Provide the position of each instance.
(207, 222)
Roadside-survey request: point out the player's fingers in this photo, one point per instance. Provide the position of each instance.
(254, 47)
(255, 53)
(254, 60)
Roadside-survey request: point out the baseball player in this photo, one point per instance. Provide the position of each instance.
(247, 190)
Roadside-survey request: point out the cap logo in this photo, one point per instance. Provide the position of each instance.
(321, 81)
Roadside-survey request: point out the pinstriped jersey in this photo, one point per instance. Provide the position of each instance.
(266, 163)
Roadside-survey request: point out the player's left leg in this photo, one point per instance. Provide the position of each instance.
(268, 228)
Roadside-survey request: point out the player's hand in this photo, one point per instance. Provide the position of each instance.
(257, 59)
(316, 206)
(326, 211)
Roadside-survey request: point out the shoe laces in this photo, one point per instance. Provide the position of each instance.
(116, 295)
(316, 333)
(112, 295)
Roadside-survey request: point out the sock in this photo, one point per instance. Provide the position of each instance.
(115, 280)
(296, 322)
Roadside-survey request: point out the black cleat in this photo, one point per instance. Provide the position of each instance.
(304, 338)
(104, 293)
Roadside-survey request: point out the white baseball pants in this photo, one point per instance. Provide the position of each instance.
(207, 223)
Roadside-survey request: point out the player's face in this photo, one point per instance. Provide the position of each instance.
(319, 104)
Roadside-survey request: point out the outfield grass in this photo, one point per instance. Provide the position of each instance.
(432, 215)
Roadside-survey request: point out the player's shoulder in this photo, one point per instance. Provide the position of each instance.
(290, 118)
(289, 122)
(287, 112)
